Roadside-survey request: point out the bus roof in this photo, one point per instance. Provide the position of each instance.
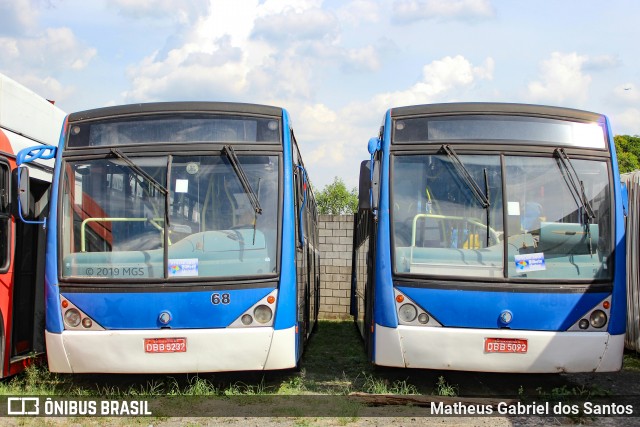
(28, 117)
(176, 107)
(495, 108)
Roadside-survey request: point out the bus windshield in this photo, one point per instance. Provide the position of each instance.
(539, 227)
(115, 215)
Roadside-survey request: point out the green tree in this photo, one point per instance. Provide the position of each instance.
(628, 152)
(335, 199)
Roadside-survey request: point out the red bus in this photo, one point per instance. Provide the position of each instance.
(26, 119)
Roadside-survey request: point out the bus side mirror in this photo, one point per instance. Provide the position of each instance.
(368, 188)
(23, 192)
(364, 187)
(375, 185)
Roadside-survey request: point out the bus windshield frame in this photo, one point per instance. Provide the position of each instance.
(536, 229)
(202, 228)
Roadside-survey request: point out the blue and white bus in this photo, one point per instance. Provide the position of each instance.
(181, 238)
(490, 238)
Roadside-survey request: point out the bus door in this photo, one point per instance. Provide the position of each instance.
(27, 323)
(303, 263)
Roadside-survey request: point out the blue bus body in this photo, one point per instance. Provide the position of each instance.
(473, 249)
(181, 238)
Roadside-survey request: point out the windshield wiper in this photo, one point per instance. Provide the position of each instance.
(119, 154)
(571, 177)
(488, 196)
(233, 159)
(579, 196)
(463, 172)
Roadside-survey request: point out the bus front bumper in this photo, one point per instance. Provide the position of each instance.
(207, 350)
(464, 350)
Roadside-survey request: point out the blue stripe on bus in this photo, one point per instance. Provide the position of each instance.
(383, 285)
(481, 309)
(286, 311)
(52, 295)
(618, 321)
(188, 309)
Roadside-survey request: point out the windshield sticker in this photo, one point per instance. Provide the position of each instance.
(192, 168)
(183, 267)
(530, 262)
(513, 208)
(182, 185)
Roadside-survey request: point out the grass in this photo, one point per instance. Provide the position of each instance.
(375, 385)
(334, 363)
(35, 380)
(444, 389)
(631, 361)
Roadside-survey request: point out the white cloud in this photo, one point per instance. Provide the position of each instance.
(250, 51)
(439, 79)
(626, 122)
(357, 11)
(184, 12)
(310, 24)
(55, 49)
(407, 11)
(47, 87)
(18, 17)
(339, 137)
(172, 80)
(32, 55)
(602, 62)
(366, 58)
(331, 141)
(562, 80)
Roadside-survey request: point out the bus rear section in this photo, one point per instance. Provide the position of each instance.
(497, 244)
(172, 244)
(25, 119)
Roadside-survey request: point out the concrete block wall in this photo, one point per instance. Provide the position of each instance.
(336, 240)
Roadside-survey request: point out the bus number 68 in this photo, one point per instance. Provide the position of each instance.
(220, 298)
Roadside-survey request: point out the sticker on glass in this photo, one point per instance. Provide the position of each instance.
(183, 267)
(182, 185)
(192, 168)
(530, 262)
(513, 208)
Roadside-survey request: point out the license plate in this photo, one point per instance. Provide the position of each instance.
(505, 345)
(165, 345)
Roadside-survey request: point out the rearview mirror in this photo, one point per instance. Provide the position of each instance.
(368, 189)
(24, 192)
(364, 187)
(375, 185)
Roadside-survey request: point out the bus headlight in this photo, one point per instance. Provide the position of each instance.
(72, 317)
(598, 318)
(408, 313)
(262, 314)
(246, 319)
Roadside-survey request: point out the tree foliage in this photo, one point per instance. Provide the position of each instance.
(335, 199)
(628, 152)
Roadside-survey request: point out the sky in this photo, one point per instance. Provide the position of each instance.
(335, 65)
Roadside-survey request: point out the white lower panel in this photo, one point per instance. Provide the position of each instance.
(235, 349)
(282, 354)
(463, 350)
